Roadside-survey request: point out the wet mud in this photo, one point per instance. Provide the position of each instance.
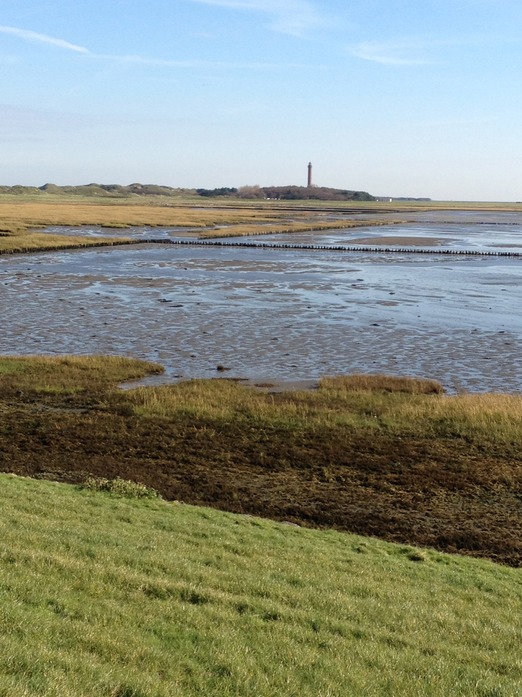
(283, 315)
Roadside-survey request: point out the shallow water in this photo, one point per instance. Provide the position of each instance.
(272, 314)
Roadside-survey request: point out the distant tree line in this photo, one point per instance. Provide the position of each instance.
(222, 191)
(288, 193)
(318, 193)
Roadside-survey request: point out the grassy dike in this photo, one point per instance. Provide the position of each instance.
(110, 596)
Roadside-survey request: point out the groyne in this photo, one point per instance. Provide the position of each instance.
(378, 249)
(368, 249)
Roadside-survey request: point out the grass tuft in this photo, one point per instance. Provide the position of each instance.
(121, 487)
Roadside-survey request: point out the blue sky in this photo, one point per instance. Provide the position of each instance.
(394, 97)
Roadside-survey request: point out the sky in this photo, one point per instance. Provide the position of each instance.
(401, 98)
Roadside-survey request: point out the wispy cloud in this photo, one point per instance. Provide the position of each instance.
(396, 52)
(200, 64)
(426, 50)
(35, 37)
(295, 17)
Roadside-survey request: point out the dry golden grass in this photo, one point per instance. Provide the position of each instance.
(18, 221)
(16, 217)
(212, 218)
(381, 383)
(496, 417)
(365, 401)
(56, 373)
(33, 242)
(309, 224)
(24, 215)
(230, 401)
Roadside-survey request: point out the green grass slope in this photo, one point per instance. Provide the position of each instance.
(103, 595)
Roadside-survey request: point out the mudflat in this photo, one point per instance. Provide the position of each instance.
(271, 315)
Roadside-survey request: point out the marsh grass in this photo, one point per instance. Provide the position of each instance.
(25, 242)
(374, 455)
(22, 216)
(289, 227)
(380, 383)
(490, 418)
(70, 373)
(104, 596)
(408, 405)
(20, 219)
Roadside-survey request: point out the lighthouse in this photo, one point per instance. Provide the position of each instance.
(309, 175)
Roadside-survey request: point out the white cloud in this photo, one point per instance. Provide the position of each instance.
(399, 52)
(295, 17)
(419, 50)
(33, 36)
(199, 64)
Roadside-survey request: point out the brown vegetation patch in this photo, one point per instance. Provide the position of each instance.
(334, 457)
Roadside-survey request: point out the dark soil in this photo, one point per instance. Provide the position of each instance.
(443, 493)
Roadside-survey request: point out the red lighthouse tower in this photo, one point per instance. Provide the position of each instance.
(309, 175)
